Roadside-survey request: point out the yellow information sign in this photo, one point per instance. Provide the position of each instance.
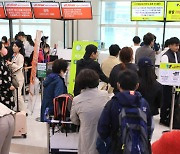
(173, 11)
(169, 74)
(147, 11)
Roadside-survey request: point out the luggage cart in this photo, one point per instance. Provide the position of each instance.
(60, 142)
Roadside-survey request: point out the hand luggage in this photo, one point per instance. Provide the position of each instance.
(20, 122)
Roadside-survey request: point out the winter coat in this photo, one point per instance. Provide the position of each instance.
(54, 86)
(109, 120)
(113, 78)
(85, 111)
(90, 64)
(6, 96)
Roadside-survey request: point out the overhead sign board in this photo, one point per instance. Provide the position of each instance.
(18, 10)
(147, 11)
(76, 10)
(2, 14)
(173, 11)
(46, 10)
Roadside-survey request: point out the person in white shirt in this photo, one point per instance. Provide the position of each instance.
(7, 127)
(170, 56)
(136, 41)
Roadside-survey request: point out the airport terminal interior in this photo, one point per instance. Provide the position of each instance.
(59, 33)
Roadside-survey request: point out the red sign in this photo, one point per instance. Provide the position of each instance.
(18, 10)
(2, 14)
(46, 10)
(76, 10)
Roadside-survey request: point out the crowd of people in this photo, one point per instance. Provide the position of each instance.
(128, 74)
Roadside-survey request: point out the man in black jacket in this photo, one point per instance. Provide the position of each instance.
(170, 56)
(88, 61)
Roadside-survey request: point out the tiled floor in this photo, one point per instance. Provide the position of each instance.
(36, 141)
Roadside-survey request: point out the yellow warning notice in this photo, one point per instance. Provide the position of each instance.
(173, 11)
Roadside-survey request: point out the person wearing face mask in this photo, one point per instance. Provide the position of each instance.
(16, 65)
(54, 85)
(6, 88)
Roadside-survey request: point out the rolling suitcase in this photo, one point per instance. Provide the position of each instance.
(20, 122)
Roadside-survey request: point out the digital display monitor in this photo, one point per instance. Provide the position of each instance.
(18, 10)
(76, 10)
(2, 13)
(147, 10)
(173, 11)
(46, 10)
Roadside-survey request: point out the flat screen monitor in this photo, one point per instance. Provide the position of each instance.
(147, 10)
(173, 11)
(2, 13)
(76, 10)
(46, 10)
(18, 10)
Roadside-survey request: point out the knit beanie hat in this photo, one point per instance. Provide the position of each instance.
(169, 143)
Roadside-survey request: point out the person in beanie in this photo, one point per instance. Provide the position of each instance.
(88, 61)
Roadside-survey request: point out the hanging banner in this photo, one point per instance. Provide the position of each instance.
(78, 51)
(33, 80)
(2, 14)
(147, 11)
(169, 74)
(173, 11)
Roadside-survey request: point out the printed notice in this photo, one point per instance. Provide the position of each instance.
(77, 10)
(18, 10)
(169, 74)
(147, 11)
(46, 10)
(2, 14)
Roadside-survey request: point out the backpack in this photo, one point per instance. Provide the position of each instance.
(133, 131)
(62, 108)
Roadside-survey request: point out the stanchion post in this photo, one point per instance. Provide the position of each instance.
(172, 107)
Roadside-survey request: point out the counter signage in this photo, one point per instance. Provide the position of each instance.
(173, 11)
(46, 10)
(169, 74)
(78, 51)
(18, 10)
(147, 11)
(76, 10)
(2, 14)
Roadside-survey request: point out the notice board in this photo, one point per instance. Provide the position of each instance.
(18, 10)
(46, 10)
(147, 11)
(76, 10)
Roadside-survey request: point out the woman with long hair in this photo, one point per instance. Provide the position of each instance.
(16, 66)
(150, 89)
(126, 57)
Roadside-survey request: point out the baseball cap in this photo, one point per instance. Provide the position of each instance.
(144, 62)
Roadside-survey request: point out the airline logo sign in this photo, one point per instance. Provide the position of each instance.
(169, 74)
(16, 10)
(173, 11)
(81, 10)
(46, 10)
(2, 14)
(153, 11)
